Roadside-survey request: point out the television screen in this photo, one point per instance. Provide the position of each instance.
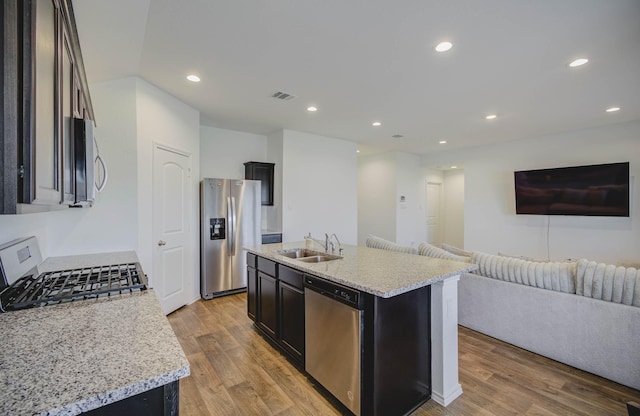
(595, 190)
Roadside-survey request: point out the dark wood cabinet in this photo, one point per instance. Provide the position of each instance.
(279, 304)
(262, 171)
(45, 86)
(292, 320)
(252, 287)
(291, 311)
(267, 304)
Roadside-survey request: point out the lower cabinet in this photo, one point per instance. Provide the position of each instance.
(267, 295)
(292, 320)
(275, 302)
(252, 285)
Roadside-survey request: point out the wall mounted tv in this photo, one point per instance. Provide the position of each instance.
(594, 190)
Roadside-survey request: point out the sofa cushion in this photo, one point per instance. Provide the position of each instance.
(558, 276)
(380, 243)
(608, 282)
(455, 250)
(426, 249)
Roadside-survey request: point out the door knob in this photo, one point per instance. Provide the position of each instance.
(162, 243)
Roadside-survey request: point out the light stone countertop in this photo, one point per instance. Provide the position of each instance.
(69, 358)
(378, 272)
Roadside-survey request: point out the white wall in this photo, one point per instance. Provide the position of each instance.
(490, 222)
(410, 215)
(453, 187)
(111, 224)
(272, 215)
(377, 196)
(224, 152)
(163, 119)
(319, 187)
(382, 180)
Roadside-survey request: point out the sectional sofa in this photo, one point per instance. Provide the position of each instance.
(584, 314)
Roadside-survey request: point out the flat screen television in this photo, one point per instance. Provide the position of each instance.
(593, 190)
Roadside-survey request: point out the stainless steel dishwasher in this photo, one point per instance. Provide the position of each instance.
(333, 339)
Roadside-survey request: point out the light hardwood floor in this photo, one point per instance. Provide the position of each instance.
(234, 371)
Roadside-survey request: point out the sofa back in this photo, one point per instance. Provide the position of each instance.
(608, 282)
(558, 276)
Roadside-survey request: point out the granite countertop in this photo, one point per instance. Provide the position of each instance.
(69, 358)
(379, 272)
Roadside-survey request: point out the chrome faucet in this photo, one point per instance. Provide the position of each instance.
(333, 246)
(324, 245)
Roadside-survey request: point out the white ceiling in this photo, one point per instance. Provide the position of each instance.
(361, 61)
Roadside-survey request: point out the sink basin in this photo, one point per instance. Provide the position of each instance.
(306, 255)
(318, 259)
(296, 253)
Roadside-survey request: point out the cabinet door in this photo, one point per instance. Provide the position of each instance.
(46, 184)
(267, 304)
(263, 172)
(292, 320)
(67, 86)
(252, 284)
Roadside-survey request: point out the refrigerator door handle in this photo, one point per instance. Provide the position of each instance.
(232, 240)
(229, 226)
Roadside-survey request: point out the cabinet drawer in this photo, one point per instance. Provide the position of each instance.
(251, 260)
(271, 238)
(291, 276)
(267, 266)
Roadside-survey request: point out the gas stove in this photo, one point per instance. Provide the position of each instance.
(22, 286)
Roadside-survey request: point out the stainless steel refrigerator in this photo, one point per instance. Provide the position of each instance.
(230, 218)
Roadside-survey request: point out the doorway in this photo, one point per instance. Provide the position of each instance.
(434, 214)
(172, 231)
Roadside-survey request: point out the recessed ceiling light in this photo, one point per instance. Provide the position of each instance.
(376, 124)
(613, 109)
(357, 151)
(442, 142)
(193, 78)
(312, 109)
(454, 167)
(443, 46)
(491, 116)
(578, 62)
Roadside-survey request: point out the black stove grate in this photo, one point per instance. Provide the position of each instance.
(68, 285)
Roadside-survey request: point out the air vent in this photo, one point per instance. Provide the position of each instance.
(397, 136)
(283, 96)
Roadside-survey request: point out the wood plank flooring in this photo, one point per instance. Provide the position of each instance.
(234, 371)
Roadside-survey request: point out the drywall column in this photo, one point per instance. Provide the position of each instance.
(445, 387)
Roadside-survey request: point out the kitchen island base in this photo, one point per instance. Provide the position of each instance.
(406, 326)
(163, 400)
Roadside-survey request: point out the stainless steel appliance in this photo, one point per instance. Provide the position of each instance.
(230, 218)
(22, 286)
(333, 339)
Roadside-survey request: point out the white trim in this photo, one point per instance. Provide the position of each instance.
(445, 387)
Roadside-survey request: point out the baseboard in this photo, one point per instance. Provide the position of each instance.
(445, 400)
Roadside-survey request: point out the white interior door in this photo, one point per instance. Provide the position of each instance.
(172, 231)
(434, 216)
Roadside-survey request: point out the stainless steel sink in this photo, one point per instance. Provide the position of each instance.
(306, 255)
(318, 259)
(296, 253)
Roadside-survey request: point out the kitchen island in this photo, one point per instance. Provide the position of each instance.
(408, 310)
(89, 356)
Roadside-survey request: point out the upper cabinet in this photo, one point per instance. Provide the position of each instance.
(261, 171)
(45, 64)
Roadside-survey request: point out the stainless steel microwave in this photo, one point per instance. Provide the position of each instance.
(83, 152)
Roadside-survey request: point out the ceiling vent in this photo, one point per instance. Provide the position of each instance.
(397, 136)
(282, 96)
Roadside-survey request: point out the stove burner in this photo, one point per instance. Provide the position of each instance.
(55, 287)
